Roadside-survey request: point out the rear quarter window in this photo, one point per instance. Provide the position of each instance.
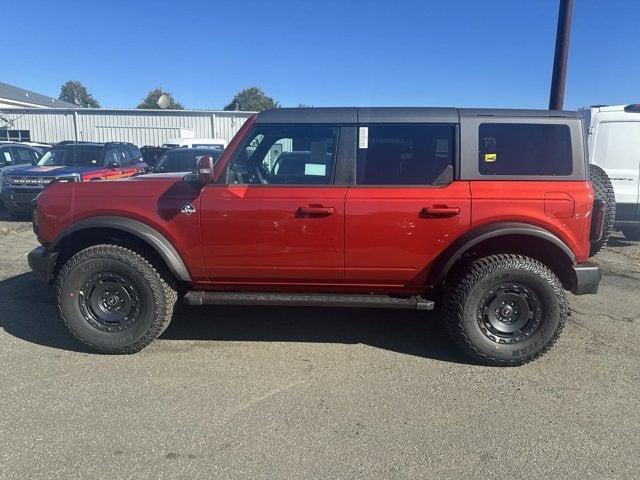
(524, 149)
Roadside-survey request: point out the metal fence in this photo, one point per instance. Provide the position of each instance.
(141, 127)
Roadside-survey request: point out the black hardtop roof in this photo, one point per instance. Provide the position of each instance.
(348, 115)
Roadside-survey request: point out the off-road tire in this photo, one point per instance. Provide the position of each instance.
(603, 189)
(462, 305)
(155, 288)
(631, 233)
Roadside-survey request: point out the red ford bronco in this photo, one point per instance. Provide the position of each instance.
(486, 215)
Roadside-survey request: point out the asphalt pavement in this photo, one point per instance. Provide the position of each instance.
(271, 393)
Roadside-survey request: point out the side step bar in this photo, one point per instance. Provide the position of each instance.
(307, 300)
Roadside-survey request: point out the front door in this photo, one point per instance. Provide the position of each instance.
(406, 207)
(277, 218)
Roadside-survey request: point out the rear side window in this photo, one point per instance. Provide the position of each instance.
(404, 154)
(524, 149)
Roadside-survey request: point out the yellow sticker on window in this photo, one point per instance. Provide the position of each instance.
(489, 157)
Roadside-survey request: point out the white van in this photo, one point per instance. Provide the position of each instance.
(196, 143)
(614, 144)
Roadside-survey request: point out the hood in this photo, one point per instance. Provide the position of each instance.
(44, 171)
(156, 176)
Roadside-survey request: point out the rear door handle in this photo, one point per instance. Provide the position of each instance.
(315, 211)
(439, 211)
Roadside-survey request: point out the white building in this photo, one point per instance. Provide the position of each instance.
(48, 120)
(15, 97)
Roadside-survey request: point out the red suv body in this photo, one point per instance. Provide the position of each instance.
(395, 208)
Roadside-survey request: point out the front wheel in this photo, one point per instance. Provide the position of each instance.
(505, 310)
(113, 299)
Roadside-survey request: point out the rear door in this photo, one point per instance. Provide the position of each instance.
(405, 207)
(616, 148)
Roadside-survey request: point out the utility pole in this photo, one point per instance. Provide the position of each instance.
(556, 97)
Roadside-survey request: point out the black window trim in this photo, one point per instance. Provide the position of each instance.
(469, 141)
(455, 163)
(224, 177)
(564, 127)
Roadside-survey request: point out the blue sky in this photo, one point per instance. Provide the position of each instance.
(484, 53)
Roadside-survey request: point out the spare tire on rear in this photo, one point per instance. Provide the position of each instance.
(603, 189)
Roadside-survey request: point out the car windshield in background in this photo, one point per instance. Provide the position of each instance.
(208, 145)
(72, 157)
(184, 160)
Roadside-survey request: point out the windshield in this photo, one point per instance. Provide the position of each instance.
(183, 160)
(72, 157)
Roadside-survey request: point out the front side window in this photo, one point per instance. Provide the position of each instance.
(404, 154)
(111, 157)
(286, 155)
(136, 154)
(125, 154)
(524, 149)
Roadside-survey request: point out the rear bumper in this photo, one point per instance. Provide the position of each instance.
(42, 262)
(587, 279)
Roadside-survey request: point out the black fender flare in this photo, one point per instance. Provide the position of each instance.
(144, 232)
(457, 249)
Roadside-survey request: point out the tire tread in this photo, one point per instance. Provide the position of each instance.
(458, 290)
(166, 295)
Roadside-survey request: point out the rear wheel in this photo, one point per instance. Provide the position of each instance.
(603, 189)
(114, 300)
(505, 309)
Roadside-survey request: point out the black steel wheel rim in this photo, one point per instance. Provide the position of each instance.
(110, 301)
(509, 313)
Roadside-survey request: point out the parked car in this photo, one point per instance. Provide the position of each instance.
(151, 154)
(184, 159)
(486, 215)
(614, 146)
(13, 154)
(196, 143)
(70, 161)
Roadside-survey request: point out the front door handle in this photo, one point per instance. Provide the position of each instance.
(315, 211)
(439, 211)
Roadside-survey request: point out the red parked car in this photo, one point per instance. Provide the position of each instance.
(487, 215)
(70, 161)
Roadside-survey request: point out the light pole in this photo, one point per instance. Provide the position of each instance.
(556, 97)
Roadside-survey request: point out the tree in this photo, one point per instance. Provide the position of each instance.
(251, 99)
(74, 92)
(151, 100)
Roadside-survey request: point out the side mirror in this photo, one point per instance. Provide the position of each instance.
(204, 169)
(112, 164)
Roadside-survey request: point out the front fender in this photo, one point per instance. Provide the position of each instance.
(148, 234)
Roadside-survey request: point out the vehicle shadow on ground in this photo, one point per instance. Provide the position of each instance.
(29, 313)
(5, 216)
(621, 242)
